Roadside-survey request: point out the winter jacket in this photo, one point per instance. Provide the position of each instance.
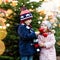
(48, 52)
(27, 35)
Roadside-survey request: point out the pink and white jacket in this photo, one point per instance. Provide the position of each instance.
(48, 52)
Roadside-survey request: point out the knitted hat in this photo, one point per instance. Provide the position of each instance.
(48, 24)
(25, 14)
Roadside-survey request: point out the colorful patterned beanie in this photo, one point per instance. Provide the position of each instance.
(25, 14)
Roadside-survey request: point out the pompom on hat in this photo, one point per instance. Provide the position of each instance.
(48, 24)
(25, 14)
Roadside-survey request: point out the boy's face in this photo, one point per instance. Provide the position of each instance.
(28, 22)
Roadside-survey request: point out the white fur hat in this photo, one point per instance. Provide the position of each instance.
(47, 23)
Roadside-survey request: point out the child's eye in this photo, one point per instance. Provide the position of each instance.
(42, 25)
(45, 26)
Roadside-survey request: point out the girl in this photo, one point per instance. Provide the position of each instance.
(46, 41)
(26, 34)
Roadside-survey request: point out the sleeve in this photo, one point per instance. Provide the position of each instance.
(51, 42)
(25, 34)
(39, 40)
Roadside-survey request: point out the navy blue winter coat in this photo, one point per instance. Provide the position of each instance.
(27, 35)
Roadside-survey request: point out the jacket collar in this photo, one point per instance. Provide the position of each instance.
(26, 26)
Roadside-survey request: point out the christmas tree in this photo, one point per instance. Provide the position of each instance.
(11, 13)
(9, 21)
(58, 37)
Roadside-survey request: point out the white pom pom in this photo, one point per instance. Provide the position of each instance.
(38, 50)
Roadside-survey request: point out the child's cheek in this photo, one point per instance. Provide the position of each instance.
(45, 28)
(42, 26)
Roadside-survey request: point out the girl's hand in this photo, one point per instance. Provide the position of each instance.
(41, 44)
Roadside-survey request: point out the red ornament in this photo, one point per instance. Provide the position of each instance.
(41, 30)
(45, 34)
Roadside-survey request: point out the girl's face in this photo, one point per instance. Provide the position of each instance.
(44, 26)
(27, 22)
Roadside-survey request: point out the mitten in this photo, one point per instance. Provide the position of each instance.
(36, 45)
(41, 30)
(45, 34)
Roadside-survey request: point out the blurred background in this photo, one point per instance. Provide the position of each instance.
(9, 21)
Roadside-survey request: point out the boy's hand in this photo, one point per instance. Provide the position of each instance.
(37, 33)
